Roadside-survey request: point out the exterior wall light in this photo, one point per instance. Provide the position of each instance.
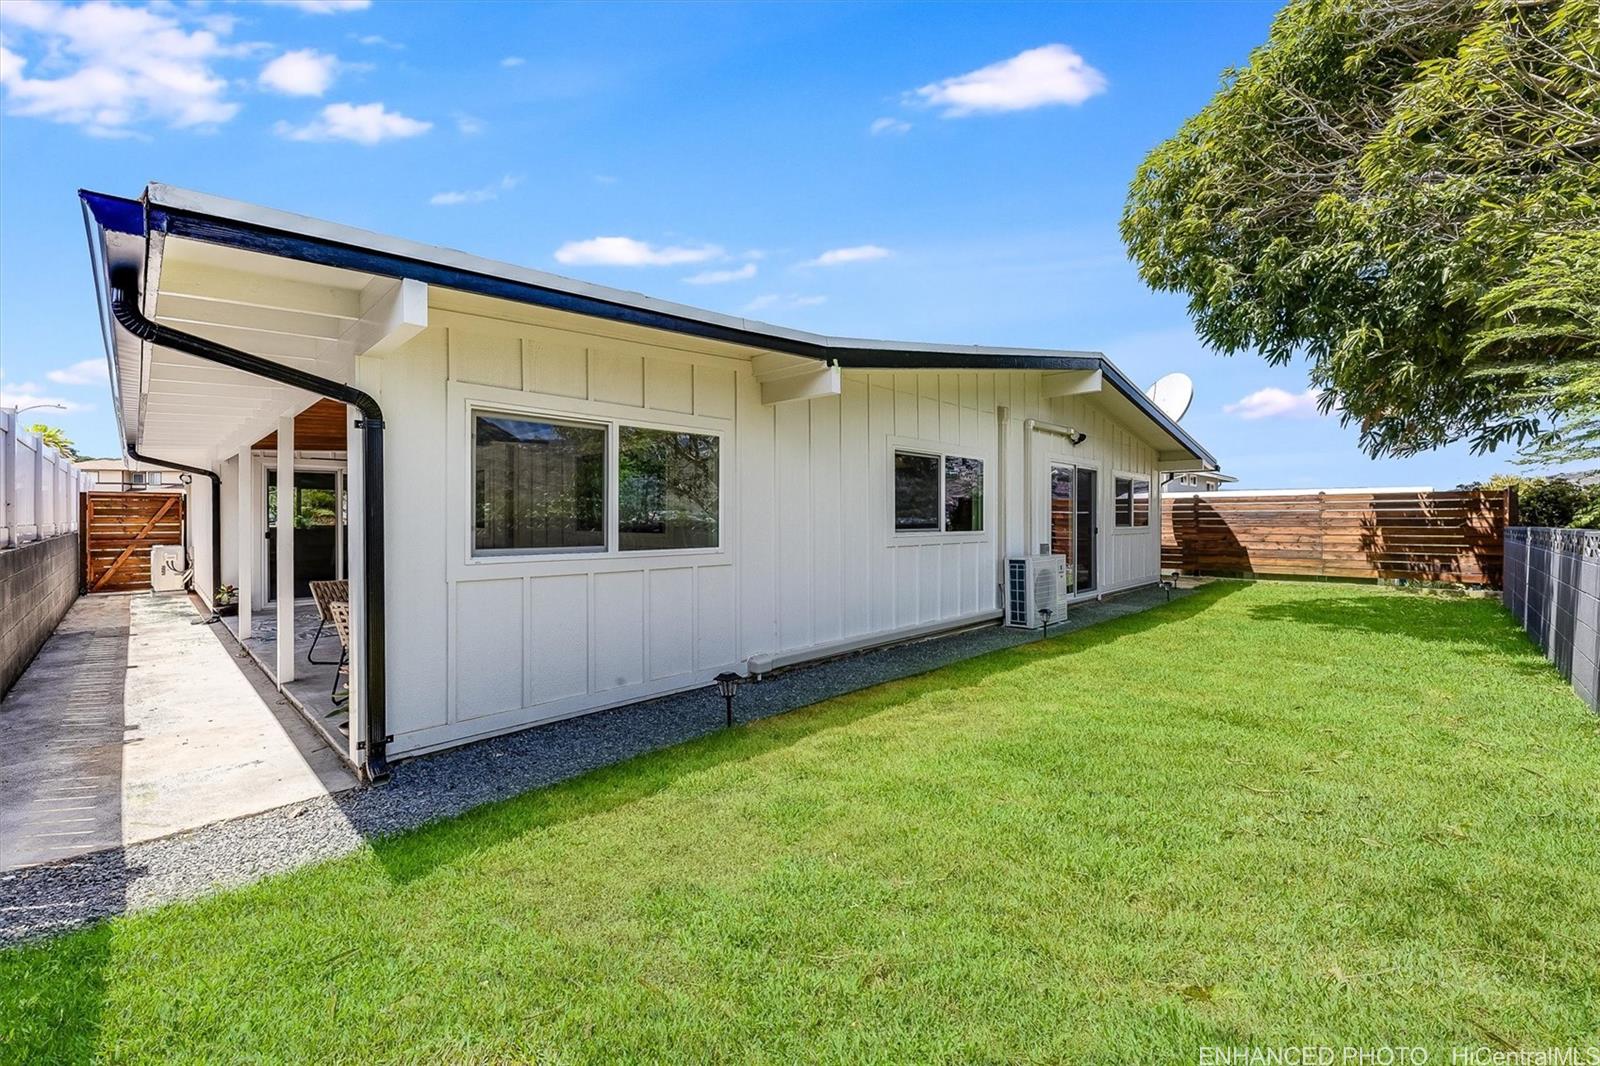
(728, 687)
(1077, 438)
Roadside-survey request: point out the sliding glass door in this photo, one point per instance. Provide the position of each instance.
(1075, 521)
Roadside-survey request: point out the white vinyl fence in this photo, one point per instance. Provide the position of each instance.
(39, 487)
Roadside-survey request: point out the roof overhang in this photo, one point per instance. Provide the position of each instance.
(143, 232)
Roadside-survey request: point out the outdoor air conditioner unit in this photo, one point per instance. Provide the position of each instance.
(1036, 583)
(166, 568)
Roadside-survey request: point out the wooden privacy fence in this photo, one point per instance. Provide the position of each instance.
(119, 528)
(1452, 537)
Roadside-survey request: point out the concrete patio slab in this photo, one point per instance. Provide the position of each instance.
(137, 721)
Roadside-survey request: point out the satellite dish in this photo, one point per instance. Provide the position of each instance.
(1173, 393)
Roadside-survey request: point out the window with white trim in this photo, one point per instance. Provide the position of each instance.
(540, 485)
(1131, 502)
(937, 492)
(667, 489)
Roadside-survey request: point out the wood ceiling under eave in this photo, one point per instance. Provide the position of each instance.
(319, 428)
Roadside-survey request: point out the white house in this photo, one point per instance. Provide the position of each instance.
(1194, 481)
(565, 497)
(126, 475)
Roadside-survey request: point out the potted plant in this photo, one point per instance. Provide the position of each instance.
(227, 600)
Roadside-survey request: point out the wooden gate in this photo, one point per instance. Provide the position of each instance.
(119, 529)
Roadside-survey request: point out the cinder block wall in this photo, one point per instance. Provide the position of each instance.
(1552, 586)
(38, 582)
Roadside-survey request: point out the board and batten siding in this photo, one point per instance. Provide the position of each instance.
(808, 555)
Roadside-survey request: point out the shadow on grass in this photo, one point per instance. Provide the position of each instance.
(409, 856)
(1417, 616)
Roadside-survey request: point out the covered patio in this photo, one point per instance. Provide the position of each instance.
(243, 370)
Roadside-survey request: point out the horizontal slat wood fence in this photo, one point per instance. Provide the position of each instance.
(119, 529)
(1452, 537)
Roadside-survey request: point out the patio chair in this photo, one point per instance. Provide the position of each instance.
(339, 612)
(325, 594)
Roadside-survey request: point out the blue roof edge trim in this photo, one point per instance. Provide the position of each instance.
(116, 213)
(135, 217)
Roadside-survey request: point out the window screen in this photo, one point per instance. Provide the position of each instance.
(667, 488)
(537, 486)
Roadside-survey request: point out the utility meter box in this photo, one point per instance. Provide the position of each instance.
(166, 568)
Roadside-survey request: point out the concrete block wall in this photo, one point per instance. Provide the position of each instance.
(38, 582)
(1552, 586)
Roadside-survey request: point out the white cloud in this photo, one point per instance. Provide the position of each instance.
(28, 394)
(860, 253)
(362, 123)
(889, 125)
(722, 277)
(625, 251)
(85, 372)
(605, 179)
(376, 40)
(512, 61)
(476, 196)
(1039, 77)
(1273, 402)
(468, 125)
(109, 68)
(324, 7)
(305, 72)
(776, 301)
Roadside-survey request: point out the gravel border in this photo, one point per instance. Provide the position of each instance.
(39, 901)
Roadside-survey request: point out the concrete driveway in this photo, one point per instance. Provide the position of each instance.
(134, 722)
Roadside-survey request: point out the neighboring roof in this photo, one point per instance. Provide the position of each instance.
(1210, 475)
(116, 463)
(170, 211)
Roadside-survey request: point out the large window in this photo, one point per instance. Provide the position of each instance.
(936, 492)
(537, 486)
(1132, 502)
(667, 489)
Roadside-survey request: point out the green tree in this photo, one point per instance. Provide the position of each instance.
(1407, 192)
(1548, 501)
(56, 439)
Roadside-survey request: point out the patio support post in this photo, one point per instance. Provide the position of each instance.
(246, 552)
(355, 486)
(283, 550)
(338, 523)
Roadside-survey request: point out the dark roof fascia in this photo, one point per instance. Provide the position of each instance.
(131, 216)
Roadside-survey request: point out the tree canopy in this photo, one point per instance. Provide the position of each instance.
(56, 439)
(1407, 192)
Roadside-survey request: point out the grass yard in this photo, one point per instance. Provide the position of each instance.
(1273, 813)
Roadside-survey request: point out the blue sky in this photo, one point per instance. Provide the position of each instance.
(965, 166)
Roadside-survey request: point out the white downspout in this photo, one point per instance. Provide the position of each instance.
(1002, 532)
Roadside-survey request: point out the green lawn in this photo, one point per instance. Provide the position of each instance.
(1273, 813)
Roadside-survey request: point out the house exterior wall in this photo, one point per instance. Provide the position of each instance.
(807, 552)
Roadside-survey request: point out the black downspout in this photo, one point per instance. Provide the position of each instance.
(125, 306)
(216, 514)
